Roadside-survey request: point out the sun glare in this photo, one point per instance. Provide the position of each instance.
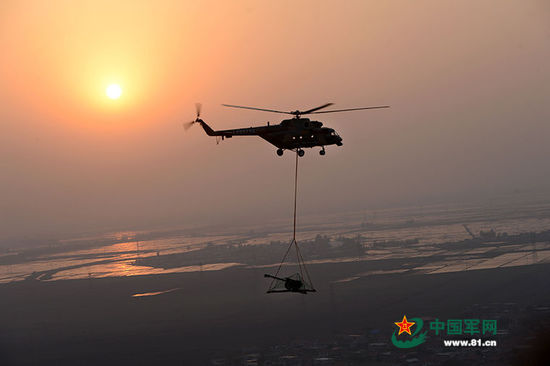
(113, 91)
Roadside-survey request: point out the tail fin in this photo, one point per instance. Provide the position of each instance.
(209, 131)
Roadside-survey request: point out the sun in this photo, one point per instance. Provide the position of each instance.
(113, 91)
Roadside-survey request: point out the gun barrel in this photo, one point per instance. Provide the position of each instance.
(270, 276)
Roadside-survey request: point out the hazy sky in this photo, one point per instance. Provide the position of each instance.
(468, 82)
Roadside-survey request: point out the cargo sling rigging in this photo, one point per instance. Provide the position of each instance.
(299, 282)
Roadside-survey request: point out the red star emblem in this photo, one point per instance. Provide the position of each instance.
(405, 326)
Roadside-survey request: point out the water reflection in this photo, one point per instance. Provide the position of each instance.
(146, 294)
(429, 225)
(127, 268)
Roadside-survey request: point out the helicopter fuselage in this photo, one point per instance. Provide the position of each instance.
(290, 134)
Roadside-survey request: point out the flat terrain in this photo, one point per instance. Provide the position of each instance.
(223, 313)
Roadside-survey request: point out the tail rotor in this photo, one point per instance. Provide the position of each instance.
(188, 125)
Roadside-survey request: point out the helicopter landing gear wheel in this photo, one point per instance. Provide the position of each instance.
(280, 152)
(322, 152)
(301, 152)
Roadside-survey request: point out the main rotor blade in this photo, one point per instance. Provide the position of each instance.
(316, 108)
(256, 109)
(351, 109)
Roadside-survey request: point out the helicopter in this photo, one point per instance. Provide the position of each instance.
(293, 134)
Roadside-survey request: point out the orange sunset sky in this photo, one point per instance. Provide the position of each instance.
(468, 83)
